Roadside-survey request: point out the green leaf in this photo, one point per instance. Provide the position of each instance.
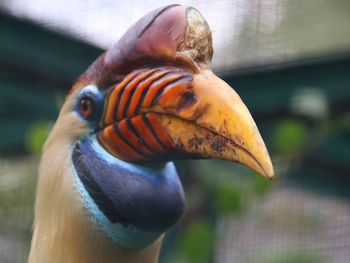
(197, 242)
(290, 136)
(261, 185)
(228, 200)
(36, 136)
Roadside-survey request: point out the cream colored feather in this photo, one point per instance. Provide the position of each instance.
(63, 231)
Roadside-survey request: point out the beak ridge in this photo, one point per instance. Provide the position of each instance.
(190, 116)
(223, 120)
(229, 117)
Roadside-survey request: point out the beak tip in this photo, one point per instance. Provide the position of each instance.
(269, 173)
(271, 176)
(265, 168)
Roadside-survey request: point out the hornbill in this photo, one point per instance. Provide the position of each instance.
(107, 189)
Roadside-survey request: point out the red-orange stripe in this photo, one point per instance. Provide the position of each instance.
(157, 129)
(146, 134)
(141, 91)
(133, 140)
(117, 146)
(156, 89)
(173, 92)
(113, 97)
(128, 90)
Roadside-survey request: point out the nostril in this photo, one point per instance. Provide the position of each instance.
(187, 100)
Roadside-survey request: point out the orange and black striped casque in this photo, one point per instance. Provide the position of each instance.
(134, 131)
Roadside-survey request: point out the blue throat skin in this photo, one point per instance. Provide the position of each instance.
(133, 204)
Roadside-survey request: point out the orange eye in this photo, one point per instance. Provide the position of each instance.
(86, 107)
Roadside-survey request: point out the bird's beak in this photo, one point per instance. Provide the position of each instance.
(193, 116)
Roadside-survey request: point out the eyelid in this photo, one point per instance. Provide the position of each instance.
(92, 93)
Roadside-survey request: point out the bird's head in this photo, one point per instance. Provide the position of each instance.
(150, 99)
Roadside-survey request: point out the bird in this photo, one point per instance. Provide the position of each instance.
(108, 189)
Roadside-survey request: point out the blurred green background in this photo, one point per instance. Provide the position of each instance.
(290, 63)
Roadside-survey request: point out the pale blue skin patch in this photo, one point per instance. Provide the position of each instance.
(127, 236)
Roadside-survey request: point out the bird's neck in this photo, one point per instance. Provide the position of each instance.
(62, 231)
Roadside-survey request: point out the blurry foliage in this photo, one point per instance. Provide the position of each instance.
(17, 191)
(261, 186)
(36, 136)
(232, 188)
(340, 124)
(290, 136)
(228, 200)
(197, 242)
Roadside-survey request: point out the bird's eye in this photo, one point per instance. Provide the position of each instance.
(86, 106)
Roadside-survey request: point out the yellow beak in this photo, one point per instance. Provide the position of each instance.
(169, 113)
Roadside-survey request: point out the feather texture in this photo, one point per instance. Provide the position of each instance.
(62, 230)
